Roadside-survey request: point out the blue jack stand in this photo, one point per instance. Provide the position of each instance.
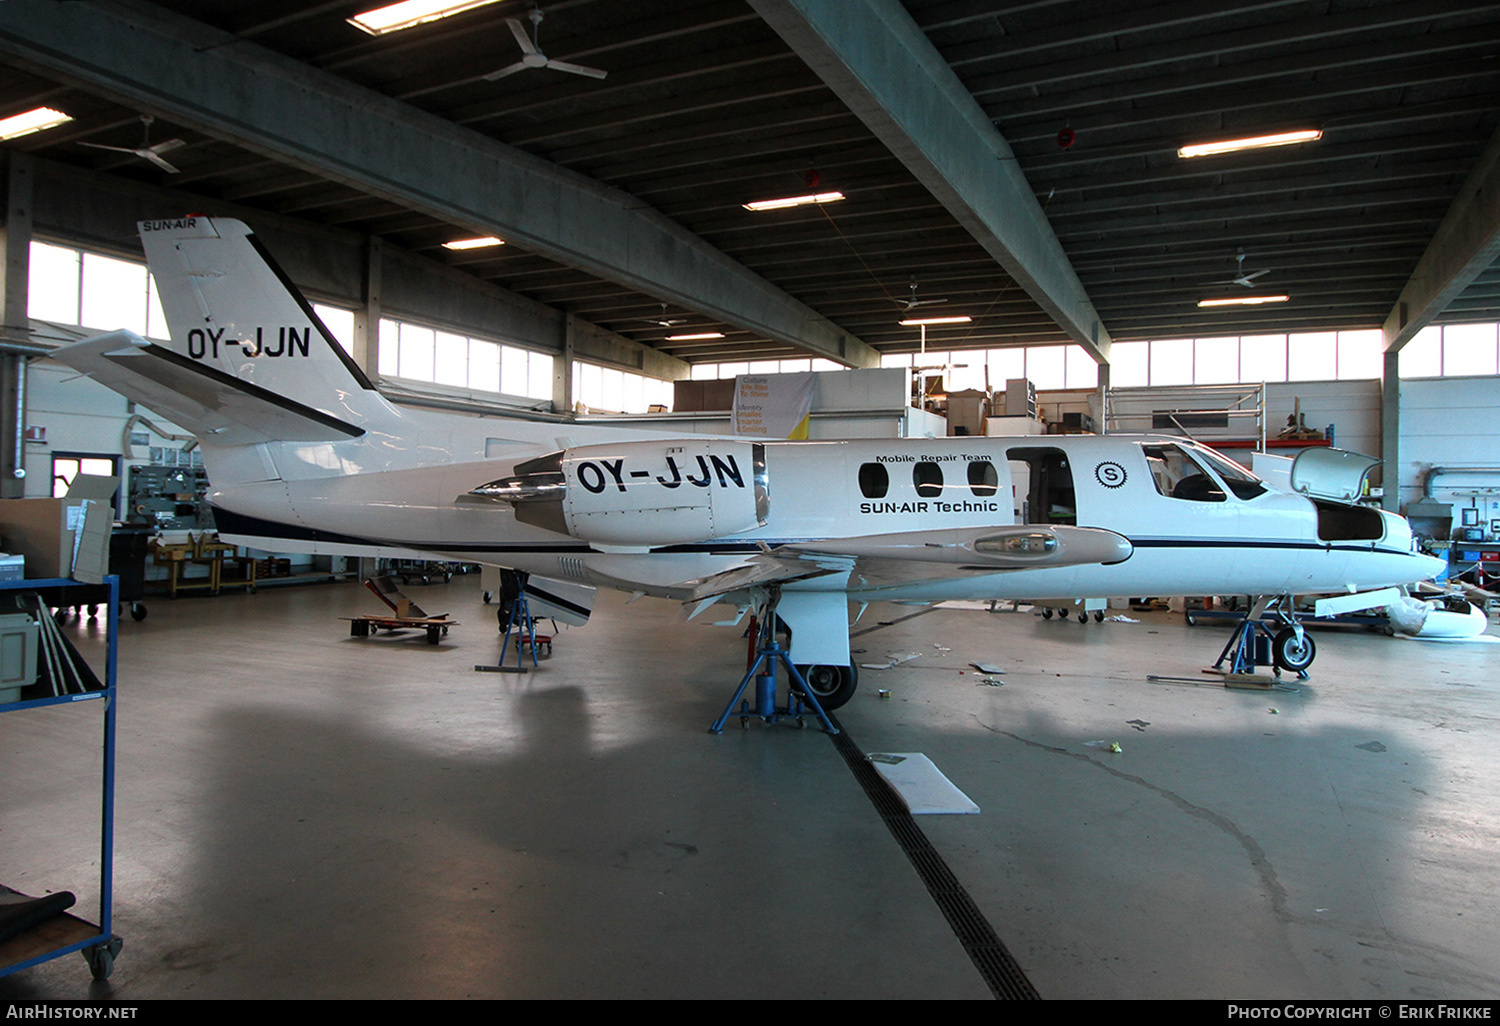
(768, 652)
(1255, 643)
(520, 623)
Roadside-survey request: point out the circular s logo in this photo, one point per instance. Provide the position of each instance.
(1110, 475)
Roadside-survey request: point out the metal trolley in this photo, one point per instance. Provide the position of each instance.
(63, 933)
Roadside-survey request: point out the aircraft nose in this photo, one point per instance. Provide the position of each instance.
(1430, 566)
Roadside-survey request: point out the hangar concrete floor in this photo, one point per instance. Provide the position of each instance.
(305, 814)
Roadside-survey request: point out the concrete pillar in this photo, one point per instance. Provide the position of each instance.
(1102, 427)
(14, 283)
(562, 368)
(367, 317)
(1390, 431)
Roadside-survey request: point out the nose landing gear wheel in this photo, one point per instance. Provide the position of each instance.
(1293, 650)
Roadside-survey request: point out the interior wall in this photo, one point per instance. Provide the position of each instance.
(1450, 422)
(1350, 408)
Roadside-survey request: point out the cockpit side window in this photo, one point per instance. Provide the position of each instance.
(1177, 476)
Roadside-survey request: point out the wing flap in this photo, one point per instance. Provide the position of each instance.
(206, 401)
(691, 577)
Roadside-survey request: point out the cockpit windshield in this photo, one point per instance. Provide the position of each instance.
(1178, 472)
(1240, 481)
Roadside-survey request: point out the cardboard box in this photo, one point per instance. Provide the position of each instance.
(687, 396)
(703, 396)
(63, 537)
(718, 395)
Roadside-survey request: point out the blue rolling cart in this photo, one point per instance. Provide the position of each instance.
(64, 933)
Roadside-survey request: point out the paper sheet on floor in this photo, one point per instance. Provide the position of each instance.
(921, 785)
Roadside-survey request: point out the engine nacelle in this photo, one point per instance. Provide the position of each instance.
(642, 493)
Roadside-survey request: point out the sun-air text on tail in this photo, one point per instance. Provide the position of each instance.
(305, 455)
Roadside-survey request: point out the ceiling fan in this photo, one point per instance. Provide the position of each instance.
(664, 321)
(531, 53)
(914, 302)
(145, 150)
(1247, 280)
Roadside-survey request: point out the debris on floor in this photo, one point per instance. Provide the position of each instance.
(920, 785)
(892, 659)
(986, 667)
(1121, 618)
(1113, 746)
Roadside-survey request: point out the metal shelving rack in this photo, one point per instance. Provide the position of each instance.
(67, 933)
(1135, 410)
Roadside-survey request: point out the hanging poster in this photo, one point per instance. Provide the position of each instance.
(773, 405)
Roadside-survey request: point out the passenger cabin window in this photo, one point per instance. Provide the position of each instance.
(874, 482)
(1177, 476)
(928, 477)
(983, 481)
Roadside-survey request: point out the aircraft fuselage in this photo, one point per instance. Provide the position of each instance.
(699, 500)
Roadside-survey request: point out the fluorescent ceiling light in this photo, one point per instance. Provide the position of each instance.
(32, 121)
(1243, 301)
(695, 338)
(795, 201)
(409, 13)
(1251, 143)
(488, 240)
(937, 320)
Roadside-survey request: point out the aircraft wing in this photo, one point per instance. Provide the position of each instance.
(869, 561)
(884, 559)
(201, 398)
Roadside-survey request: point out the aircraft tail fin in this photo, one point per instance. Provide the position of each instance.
(230, 309)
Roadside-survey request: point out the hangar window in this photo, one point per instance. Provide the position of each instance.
(420, 353)
(70, 286)
(928, 477)
(609, 389)
(874, 482)
(983, 481)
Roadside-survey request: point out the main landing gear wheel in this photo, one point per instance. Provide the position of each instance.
(1293, 650)
(832, 686)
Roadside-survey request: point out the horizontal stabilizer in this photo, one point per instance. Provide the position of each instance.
(219, 409)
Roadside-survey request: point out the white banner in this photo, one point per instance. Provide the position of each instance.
(773, 405)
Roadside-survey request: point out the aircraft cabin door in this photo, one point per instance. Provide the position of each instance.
(1043, 485)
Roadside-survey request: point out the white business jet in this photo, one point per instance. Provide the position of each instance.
(305, 455)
